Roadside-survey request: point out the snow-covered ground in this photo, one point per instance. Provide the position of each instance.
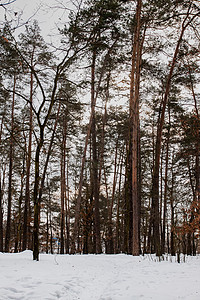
(97, 277)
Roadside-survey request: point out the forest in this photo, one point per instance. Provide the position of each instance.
(100, 129)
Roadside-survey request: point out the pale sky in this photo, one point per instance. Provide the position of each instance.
(49, 13)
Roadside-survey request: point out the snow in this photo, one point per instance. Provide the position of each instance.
(97, 277)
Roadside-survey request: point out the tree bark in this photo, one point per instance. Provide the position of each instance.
(11, 152)
(95, 162)
(1, 201)
(172, 212)
(1, 217)
(63, 187)
(118, 227)
(27, 212)
(163, 237)
(110, 240)
(36, 200)
(134, 123)
(19, 221)
(67, 213)
(197, 171)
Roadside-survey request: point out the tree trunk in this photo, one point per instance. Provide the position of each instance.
(18, 233)
(163, 237)
(27, 212)
(118, 227)
(35, 197)
(50, 221)
(95, 162)
(67, 214)
(47, 231)
(63, 187)
(1, 217)
(1, 202)
(110, 241)
(134, 123)
(128, 212)
(172, 214)
(11, 152)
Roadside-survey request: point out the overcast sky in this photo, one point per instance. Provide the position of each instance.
(49, 14)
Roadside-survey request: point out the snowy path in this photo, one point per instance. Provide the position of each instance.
(97, 277)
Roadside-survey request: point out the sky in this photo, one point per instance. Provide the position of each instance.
(50, 14)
